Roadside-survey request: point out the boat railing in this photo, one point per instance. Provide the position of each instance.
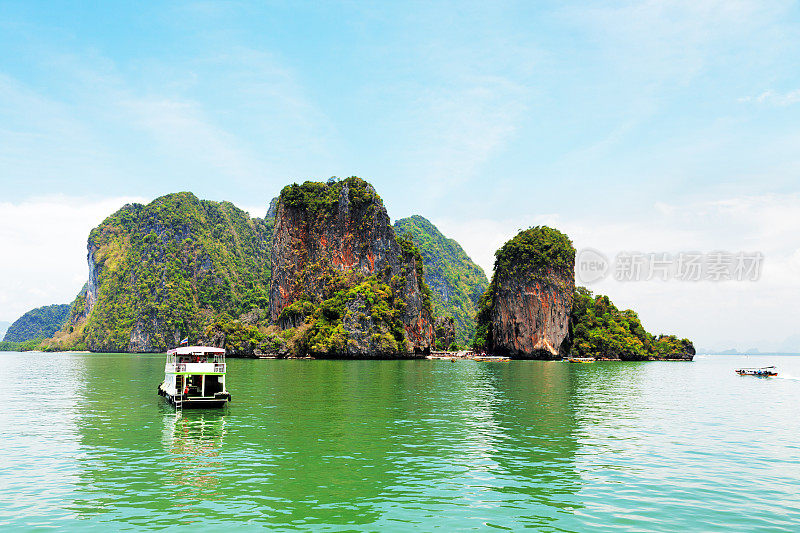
(195, 367)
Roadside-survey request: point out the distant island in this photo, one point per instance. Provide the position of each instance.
(325, 274)
(733, 351)
(28, 331)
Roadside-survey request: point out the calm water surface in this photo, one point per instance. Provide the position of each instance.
(87, 444)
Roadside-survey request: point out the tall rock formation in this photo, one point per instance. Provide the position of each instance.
(162, 271)
(525, 311)
(341, 280)
(456, 282)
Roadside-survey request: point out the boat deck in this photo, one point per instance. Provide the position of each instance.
(195, 402)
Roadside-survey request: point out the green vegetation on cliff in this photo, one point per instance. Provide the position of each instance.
(531, 253)
(166, 269)
(319, 197)
(445, 333)
(345, 285)
(247, 335)
(456, 282)
(37, 323)
(331, 322)
(370, 301)
(411, 251)
(483, 319)
(601, 330)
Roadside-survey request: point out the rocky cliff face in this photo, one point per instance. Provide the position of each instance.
(162, 271)
(339, 269)
(456, 282)
(525, 311)
(181, 266)
(531, 316)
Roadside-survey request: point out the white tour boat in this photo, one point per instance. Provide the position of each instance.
(194, 376)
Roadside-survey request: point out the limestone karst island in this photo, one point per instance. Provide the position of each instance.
(326, 275)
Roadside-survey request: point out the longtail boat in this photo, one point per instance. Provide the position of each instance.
(764, 371)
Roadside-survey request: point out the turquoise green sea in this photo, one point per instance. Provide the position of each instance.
(87, 444)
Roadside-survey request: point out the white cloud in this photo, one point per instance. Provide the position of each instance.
(44, 249)
(255, 211)
(464, 128)
(771, 97)
(672, 40)
(183, 131)
(237, 118)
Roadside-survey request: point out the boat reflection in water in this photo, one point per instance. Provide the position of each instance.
(194, 441)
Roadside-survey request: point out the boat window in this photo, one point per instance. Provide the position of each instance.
(213, 385)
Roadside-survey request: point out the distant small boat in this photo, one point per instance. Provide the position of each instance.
(581, 359)
(765, 371)
(491, 359)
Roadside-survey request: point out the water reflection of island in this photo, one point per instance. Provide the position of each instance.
(390, 443)
(536, 451)
(510, 455)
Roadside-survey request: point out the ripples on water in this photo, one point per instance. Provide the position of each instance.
(393, 445)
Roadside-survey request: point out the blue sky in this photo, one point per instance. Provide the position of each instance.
(649, 125)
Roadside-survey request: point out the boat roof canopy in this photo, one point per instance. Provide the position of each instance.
(189, 350)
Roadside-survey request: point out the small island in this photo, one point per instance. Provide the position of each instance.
(533, 310)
